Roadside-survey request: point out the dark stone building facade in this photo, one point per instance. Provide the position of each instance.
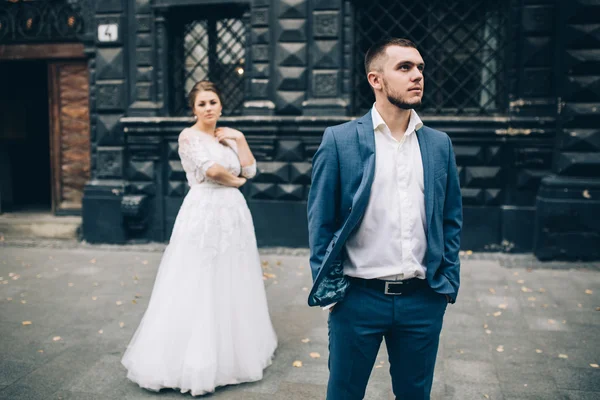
(515, 84)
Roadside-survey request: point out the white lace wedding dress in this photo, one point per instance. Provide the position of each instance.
(207, 323)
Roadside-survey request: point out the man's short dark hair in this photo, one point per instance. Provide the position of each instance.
(379, 48)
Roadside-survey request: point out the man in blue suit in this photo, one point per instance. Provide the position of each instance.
(385, 216)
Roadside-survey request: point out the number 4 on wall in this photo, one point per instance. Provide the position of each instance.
(108, 32)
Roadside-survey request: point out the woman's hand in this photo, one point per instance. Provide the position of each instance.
(228, 133)
(240, 181)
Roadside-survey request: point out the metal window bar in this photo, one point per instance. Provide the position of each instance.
(462, 42)
(210, 48)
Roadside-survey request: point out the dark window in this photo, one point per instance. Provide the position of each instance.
(462, 42)
(209, 43)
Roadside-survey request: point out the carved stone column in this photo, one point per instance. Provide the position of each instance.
(568, 202)
(259, 52)
(108, 100)
(325, 66)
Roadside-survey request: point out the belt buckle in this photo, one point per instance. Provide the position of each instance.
(390, 284)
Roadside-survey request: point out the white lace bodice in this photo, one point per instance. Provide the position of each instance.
(199, 151)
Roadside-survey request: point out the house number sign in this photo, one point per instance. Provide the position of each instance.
(108, 33)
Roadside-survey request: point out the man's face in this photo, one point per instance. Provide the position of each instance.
(402, 76)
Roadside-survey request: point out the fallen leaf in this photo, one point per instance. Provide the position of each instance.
(4, 282)
(492, 290)
(538, 351)
(94, 298)
(265, 263)
(268, 275)
(38, 276)
(586, 194)
(378, 366)
(587, 291)
(542, 290)
(23, 301)
(275, 282)
(305, 289)
(26, 322)
(579, 305)
(101, 331)
(121, 324)
(485, 326)
(93, 261)
(488, 331)
(460, 351)
(594, 365)
(119, 302)
(500, 349)
(299, 273)
(563, 356)
(382, 362)
(56, 338)
(515, 273)
(315, 355)
(521, 281)
(525, 289)
(145, 262)
(297, 364)
(486, 396)
(469, 252)
(497, 313)
(95, 283)
(11, 274)
(551, 321)
(134, 302)
(597, 308)
(278, 262)
(531, 298)
(305, 340)
(71, 284)
(9, 298)
(40, 351)
(502, 306)
(14, 278)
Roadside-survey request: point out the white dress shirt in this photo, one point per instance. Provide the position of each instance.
(391, 241)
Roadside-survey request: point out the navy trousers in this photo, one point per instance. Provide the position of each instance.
(411, 325)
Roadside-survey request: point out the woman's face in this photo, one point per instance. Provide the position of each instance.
(207, 106)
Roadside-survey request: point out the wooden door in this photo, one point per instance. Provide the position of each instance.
(69, 133)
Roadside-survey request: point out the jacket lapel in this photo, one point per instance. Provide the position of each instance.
(427, 159)
(366, 137)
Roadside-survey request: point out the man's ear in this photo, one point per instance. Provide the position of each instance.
(374, 79)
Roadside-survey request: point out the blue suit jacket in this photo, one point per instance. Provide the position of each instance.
(343, 172)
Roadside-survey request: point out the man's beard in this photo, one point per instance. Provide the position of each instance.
(398, 102)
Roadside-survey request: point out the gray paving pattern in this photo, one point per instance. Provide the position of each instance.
(521, 329)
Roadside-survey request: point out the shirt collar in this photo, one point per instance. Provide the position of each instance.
(414, 124)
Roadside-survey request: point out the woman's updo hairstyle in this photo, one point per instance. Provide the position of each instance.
(202, 86)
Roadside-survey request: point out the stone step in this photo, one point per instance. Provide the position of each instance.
(43, 225)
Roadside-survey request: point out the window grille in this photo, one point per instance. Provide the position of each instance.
(210, 46)
(26, 21)
(462, 43)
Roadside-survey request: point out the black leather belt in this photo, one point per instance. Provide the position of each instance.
(392, 288)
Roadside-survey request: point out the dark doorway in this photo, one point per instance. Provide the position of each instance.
(25, 179)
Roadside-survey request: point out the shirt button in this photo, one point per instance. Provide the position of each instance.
(350, 209)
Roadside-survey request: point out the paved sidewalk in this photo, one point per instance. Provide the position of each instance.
(520, 329)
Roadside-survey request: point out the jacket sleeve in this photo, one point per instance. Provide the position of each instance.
(323, 200)
(452, 226)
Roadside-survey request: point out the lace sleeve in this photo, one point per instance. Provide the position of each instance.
(194, 152)
(249, 171)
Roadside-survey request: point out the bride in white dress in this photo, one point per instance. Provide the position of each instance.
(207, 323)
